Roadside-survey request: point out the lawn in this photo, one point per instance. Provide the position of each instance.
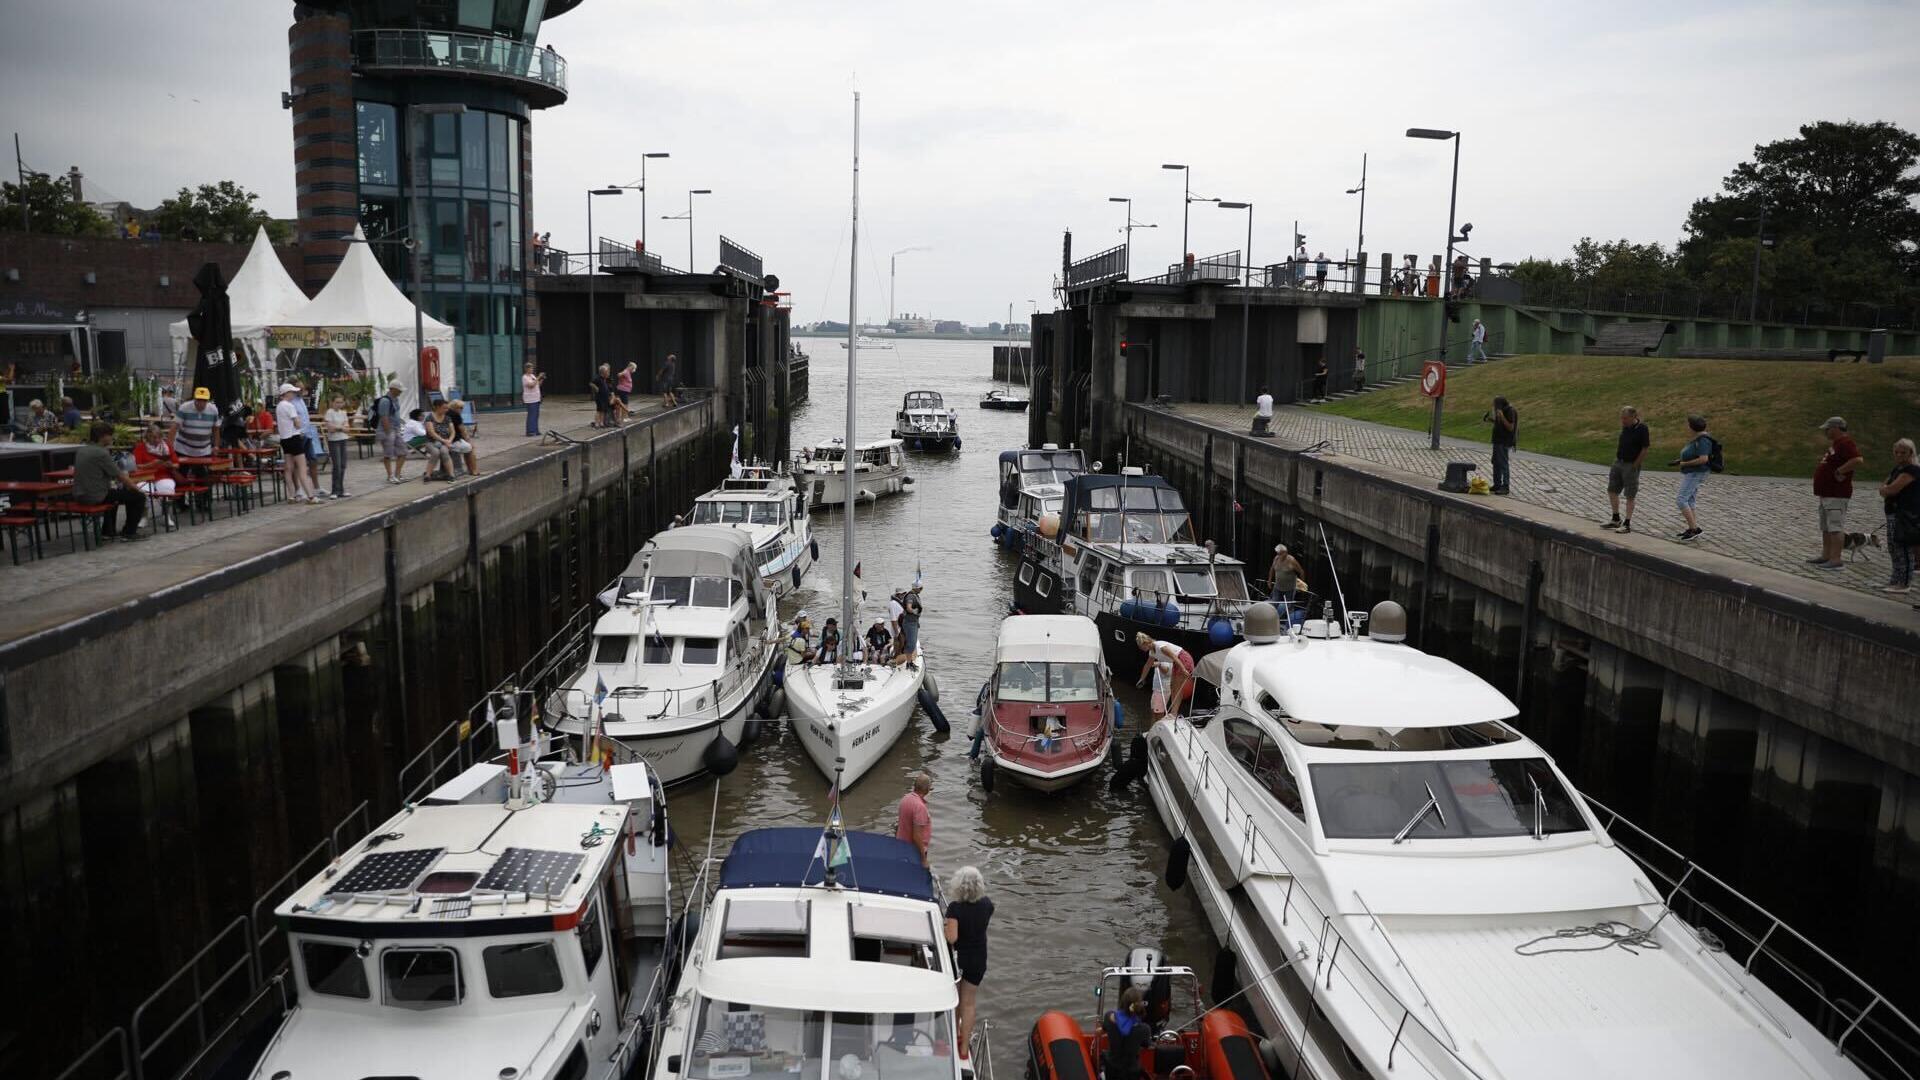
(1766, 413)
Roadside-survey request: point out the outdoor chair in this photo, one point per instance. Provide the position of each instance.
(13, 523)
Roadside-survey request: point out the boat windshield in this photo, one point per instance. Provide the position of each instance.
(717, 512)
(1023, 680)
(736, 1040)
(1472, 798)
(1050, 466)
(694, 591)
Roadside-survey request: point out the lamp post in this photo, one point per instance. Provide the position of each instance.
(643, 194)
(1446, 266)
(893, 267)
(1186, 179)
(593, 330)
(1759, 241)
(1246, 290)
(1360, 237)
(415, 178)
(1130, 226)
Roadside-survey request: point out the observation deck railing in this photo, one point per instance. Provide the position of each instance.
(438, 51)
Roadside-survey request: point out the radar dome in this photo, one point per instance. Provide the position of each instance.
(1263, 624)
(1387, 622)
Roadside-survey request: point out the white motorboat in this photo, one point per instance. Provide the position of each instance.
(766, 503)
(1033, 486)
(820, 957)
(1047, 712)
(1411, 888)
(681, 659)
(925, 423)
(850, 713)
(879, 469)
(512, 923)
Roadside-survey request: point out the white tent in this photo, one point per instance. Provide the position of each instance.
(261, 295)
(363, 302)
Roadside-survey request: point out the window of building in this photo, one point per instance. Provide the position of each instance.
(496, 151)
(445, 246)
(478, 226)
(522, 969)
(334, 969)
(421, 978)
(379, 153)
(476, 15)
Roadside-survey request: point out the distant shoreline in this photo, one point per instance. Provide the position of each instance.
(840, 334)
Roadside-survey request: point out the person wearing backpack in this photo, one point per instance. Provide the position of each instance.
(1696, 460)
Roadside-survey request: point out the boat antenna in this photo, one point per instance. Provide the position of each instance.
(833, 848)
(847, 470)
(1333, 569)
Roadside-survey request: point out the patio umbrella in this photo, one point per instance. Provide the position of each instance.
(211, 324)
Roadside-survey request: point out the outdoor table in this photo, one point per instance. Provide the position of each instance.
(59, 474)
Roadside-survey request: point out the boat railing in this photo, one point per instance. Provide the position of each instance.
(1402, 1025)
(983, 1053)
(1086, 740)
(1864, 1026)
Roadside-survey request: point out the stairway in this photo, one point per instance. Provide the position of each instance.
(1402, 380)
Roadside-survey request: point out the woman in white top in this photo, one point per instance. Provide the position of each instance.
(336, 421)
(530, 397)
(293, 446)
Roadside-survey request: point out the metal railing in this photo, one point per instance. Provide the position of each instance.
(614, 255)
(741, 260)
(1103, 266)
(1224, 268)
(1385, 369)
(482, 54)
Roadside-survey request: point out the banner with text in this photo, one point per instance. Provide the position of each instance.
(321, 337)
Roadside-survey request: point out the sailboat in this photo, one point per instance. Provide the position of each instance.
(849, 714)
(1004, 400)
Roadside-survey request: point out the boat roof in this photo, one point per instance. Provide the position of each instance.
(1179, 556)
(1081, 494)
(1368, 683)
(775, 857)
(693, 551)
(1061, 638)
(464, 868)
(396, 1042)
(923, 399)
(1073, 457)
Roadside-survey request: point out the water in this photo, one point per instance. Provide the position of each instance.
(1075, 877)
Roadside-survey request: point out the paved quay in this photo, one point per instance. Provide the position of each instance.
(1764, 521)
(46, 592)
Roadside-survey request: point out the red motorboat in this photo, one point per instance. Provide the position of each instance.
(1048, 711)
(1212, 1044)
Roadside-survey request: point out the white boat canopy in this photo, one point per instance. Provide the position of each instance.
(1371, 684)
(1058, 638)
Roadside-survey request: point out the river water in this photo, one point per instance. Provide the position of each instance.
(1076, 876)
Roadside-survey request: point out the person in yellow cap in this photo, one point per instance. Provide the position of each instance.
(196, 432)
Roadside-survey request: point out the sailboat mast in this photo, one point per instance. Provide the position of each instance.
(849, 632)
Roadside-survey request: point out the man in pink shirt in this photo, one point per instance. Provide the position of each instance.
(916, 826)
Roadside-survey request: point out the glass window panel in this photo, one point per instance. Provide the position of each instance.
(421, 978)
(476, 15)
(592, 942)
(479, 221)
(535, 9)
(473, 149)
(659, 650)
(497, 151)
(379, 156)
(678, 590)
(1072, 682)
(509, 17)
(334, 969)
(515, 237)
(447, 257)
(525, 968)
(446, 134)
(513, 157)
(498, 226)
(1022, 681)
(701, 650)
(611, 648)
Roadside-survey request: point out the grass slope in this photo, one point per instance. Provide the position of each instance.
(1765, 412)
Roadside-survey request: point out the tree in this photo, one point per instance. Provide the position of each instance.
(51, 206)
(217, 212)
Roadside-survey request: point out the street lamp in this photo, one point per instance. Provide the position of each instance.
(893, 266)
(643, 194)
(1130, 226)
(1360, 238)
(1453, 196)
(1246, 291)
(1187, 197)
(593, 335)
(1759, 241)
(415, 179)
(688, 217)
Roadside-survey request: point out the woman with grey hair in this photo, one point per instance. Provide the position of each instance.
(1901, 493)
(968, 911)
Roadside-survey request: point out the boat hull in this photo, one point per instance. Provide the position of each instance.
(1003, 405)
(676, 746)
(851, 730)
(944, 442)
(784, 574)
(1085, 739)
(829, 489)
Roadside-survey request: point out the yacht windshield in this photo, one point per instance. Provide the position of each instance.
(716, 512)
(1499, 797)
(692, 592)
(735, 1040)
(1022, 680)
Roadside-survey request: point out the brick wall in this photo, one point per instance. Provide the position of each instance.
(325, 169)
(126, 273)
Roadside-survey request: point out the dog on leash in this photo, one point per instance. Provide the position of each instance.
(1858, 543)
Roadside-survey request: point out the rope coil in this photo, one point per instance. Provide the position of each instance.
(1612, 933)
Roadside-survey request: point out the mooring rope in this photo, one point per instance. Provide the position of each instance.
(1611, 932)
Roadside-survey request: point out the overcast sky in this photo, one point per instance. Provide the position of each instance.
(990, 127)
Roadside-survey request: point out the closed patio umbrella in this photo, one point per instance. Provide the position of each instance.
(211, 324)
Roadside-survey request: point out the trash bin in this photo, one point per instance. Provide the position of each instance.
(1876, 346)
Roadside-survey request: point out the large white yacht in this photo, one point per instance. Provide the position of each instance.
(820, 957)
(511, 924)
(768, 505)
(682, 657)
(879, 469)
(1411, 888)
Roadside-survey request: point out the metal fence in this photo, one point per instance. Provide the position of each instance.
(1224, 268)
(741, 260)
(482, 54)
(1098, 268)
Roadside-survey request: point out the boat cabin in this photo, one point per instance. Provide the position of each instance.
(888, 454)
(1021, 470)
(1131, 508)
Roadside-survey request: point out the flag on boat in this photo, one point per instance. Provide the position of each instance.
(856, 570)
(733, 468)
(919, 577)
(599, 689)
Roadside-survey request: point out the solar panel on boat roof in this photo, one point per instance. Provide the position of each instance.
(386, 871)
(520, 869)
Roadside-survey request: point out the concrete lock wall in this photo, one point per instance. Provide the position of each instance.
(1771, 738)
(169, 759)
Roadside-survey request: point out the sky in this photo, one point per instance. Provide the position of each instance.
(989, 128)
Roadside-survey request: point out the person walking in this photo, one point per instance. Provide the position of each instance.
(337, 436)
(1359, 371)
(1695, 461)
(1901, 494)
(668, 380)
(387, 426)
(603, 397)
(915, 825)
(1477, 349)
(968, 913)
(287, 426)
(623, 390)
(1320, 378)
(1833, 486)
(1506, 435)
(95, 474)
(530, 385)
(1623, 478)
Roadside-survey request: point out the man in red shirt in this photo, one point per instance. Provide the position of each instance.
(916, 826)
(1833, 486)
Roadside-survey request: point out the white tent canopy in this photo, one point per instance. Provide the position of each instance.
(362, 297)
(261, 295)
